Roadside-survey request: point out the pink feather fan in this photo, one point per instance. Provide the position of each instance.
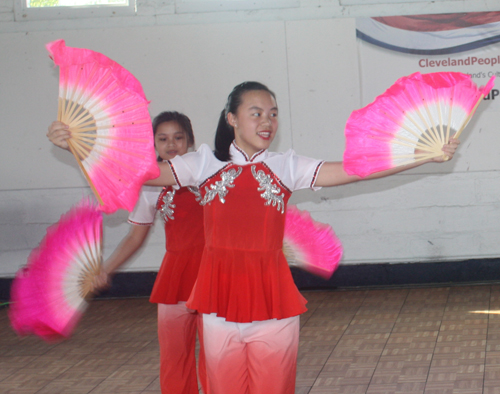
(310, 245)
(411, 121)
(49, 295)
(111, 133)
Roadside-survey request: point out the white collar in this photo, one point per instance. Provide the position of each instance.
(238, 156)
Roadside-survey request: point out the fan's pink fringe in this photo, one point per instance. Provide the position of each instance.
(38, 292)
(117, 176)
(369, 129)
(317, 248)
(67, 56)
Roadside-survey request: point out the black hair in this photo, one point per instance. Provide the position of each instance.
(224, 135)
(181, 119)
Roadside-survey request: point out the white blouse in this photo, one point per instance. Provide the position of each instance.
(145, 208)
(294, 171)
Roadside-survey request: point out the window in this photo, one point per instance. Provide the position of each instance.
(72, 3)
(70, 9)
(185, 6)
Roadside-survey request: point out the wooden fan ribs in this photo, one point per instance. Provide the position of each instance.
(420, 141)
(429, 130)
(82, 128)
(89, 119)
(73, 148)
(83, 250)
(292, 255)
(450, 114)
(435, 123)
(84, 135)
(73, 112)
(92, 263)
(408, 116)
(399, 139)
(84, 116)
(72, 100)
(82, 150)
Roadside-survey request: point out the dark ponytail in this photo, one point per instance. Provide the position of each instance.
(224, 135)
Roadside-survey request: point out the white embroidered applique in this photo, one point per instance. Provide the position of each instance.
(271, 192)
(220, 187)
(196, 192)
(167, 209)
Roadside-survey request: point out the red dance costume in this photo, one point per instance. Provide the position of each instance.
(245, 290)
(177, 326)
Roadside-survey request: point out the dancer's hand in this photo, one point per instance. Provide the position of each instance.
(58, 133)
(101, 282)
(449, 150)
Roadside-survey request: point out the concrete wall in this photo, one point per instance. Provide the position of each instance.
(188, 57)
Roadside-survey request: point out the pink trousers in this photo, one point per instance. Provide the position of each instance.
(177, 328)
(251, 358)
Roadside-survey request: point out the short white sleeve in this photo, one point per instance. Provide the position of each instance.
(296, 172)
(145, 209)
(195, 167)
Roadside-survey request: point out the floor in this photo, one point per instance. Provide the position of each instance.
(412, 340)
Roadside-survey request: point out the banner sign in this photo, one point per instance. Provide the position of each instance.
(392, 47)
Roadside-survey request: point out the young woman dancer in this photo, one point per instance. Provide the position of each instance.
(249, 303)
(183, 219)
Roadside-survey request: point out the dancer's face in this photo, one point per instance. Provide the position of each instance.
(171, 140)
(255, 121)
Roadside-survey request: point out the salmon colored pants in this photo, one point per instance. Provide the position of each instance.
(177, 328)
(251, 358)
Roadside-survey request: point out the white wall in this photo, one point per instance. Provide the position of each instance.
(189, 62)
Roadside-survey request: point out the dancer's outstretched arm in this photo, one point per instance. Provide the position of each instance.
(333, 174)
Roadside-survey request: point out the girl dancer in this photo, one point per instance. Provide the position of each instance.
(183, 217)
(249, 303)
